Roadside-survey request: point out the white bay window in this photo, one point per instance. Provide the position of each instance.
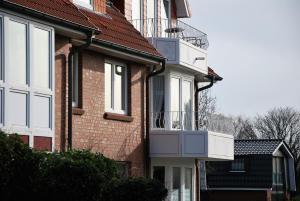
(26, 86)
(115, 87)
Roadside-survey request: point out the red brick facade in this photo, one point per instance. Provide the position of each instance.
(117, 139)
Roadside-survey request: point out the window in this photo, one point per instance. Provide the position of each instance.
(124, 169)
(188, 185)
(181, 103)
(116, 87)
(159, 173)
(41, 59)
(75, 96)
(26, 89)
(176, 187)
(158, 101)
(278, 170)
(238, 165)
(17, 48)
(85, 3)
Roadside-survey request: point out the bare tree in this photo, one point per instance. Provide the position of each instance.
(282, 123)
(243, 129)
(206, 106)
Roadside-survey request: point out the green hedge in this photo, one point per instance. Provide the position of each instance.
(26, 174)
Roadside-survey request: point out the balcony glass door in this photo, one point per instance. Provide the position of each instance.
(158, 103)
(188, 196)
(164, 17)
(137, 14)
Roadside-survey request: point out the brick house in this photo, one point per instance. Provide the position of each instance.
(120, 77)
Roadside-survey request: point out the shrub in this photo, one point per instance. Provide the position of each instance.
(136, 189)
(76, 176)
(26, 174)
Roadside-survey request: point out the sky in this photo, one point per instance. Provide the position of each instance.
(255, 47)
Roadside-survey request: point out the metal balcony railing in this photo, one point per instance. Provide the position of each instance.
(165, 28)
(181, 120)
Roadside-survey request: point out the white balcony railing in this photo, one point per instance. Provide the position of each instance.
(165, 28)
(181, 120)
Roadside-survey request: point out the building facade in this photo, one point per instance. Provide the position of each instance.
(263, 170)
(119, 77)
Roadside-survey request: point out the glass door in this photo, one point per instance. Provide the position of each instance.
(176, 184)
(188, 185)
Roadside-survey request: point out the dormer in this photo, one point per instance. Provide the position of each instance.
(98, 6)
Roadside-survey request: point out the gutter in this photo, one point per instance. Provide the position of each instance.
(147, 141)
(74, 50)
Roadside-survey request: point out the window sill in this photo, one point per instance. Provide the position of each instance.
(117, 117)
(77, 111)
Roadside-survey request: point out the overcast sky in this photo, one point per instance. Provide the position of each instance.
(255, 46)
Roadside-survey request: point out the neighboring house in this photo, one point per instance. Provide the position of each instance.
(77, 74)
(262, 170)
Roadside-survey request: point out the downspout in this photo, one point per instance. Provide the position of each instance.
(70, 83)
(147, 141)
(197, 161)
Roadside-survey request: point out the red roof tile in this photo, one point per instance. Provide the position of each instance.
(116, 29)
(61, 9)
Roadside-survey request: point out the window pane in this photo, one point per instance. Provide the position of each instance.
(108, 86)
(159, 173)
(187, 104)
(158, 85)
(176, 190)
(75, 80)
(119, 88)
(1, 49)
(41, 57)
(188, 184)
(175, 103)
(17, 51)
(86, 1)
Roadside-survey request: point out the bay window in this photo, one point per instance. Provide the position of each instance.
(26, 86)
(115, 87)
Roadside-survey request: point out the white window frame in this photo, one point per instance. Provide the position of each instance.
(83, 4)
(30, 88)
(111, 109)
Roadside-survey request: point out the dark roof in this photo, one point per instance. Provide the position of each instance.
(114, 27)
(212, 73)
(252, 147)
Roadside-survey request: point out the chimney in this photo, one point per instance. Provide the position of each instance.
(99, 6)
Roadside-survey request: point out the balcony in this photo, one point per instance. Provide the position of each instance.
(182, 44)
(180, 134)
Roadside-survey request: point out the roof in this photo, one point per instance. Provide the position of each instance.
(254, 147)
(212, 73)
(114, 27)
(57, 9)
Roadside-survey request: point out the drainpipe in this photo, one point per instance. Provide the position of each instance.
(70, 83)
(147, 141)
(198, 90)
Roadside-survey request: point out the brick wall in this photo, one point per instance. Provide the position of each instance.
(118, 140)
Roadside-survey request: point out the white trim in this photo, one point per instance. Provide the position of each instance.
(113, 65)
(282, 143)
